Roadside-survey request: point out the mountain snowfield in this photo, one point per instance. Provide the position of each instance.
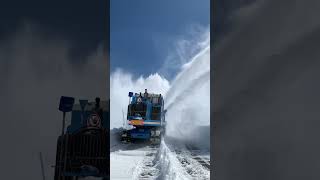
(184, 152)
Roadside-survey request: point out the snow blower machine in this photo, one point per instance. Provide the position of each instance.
(83, 147)
(146, 118)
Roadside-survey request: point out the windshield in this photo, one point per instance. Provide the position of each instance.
(137, 110)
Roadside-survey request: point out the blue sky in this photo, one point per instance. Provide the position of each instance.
(143, 32)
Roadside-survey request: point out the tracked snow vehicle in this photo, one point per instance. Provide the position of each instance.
(83, 148)
(146, 116)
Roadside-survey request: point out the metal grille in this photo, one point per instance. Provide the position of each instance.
(90, 148)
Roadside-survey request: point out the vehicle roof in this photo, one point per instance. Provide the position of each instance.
(149, 95)
(103, 104)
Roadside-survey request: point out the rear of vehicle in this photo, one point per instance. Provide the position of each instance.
(146, 117)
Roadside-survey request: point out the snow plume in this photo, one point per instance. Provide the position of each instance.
(35, 70)
(169, 165)
(121, 83)
(184, 49)
(188, 100)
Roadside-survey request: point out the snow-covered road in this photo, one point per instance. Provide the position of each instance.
(170, 160)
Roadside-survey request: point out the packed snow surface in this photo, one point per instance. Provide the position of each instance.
(169, 160)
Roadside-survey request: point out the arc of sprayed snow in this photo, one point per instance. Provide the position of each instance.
(195, 83)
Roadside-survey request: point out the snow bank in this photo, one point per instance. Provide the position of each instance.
(171, 168)
(176, 163)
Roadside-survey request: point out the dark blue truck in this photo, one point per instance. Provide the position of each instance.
(146, 115)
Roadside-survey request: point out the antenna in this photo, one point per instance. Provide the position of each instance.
(129, 109)
(42, 168)
(123, 120)
(83, 104)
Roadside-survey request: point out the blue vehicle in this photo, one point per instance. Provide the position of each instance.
(146, 116)
(83, 147)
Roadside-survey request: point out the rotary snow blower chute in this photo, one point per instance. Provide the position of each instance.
(83, 148)
(146, 117)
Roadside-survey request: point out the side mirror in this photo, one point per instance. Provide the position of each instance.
(66, 104)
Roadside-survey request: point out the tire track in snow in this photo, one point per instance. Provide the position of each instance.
(199, 158)
(148, 168)
(202, 162)
(196, 166)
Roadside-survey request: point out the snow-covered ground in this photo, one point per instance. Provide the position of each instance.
(168, 161)
(128, 164)
(176, 161)
(127, 159)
